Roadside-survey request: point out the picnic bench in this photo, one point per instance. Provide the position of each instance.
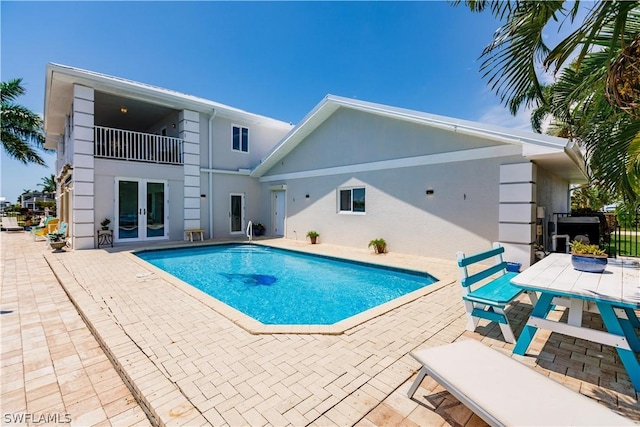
(505, 392)
(487, 292)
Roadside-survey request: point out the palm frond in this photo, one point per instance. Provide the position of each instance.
(511, 60)
(10, 90)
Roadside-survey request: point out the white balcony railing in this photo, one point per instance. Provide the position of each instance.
(137, 146)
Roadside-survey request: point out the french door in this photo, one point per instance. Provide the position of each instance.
(142, 210)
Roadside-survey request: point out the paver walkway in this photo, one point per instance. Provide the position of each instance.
(53, 370)
(189, 365)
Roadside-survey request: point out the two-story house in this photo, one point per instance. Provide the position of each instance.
(157, 162)
(153, 161)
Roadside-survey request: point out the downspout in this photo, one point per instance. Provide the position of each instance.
(213, 115)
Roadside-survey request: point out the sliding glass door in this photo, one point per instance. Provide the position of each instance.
(142, 208)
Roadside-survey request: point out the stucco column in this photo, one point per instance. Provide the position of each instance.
(517, 218)
(190, 132)
(82, 214)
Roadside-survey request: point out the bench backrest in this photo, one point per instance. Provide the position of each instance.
(499, 265)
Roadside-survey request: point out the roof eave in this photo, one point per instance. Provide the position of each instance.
(162, 96)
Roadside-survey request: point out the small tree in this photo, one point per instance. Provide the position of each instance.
(22, 133)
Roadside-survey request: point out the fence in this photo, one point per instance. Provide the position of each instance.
(625, 240)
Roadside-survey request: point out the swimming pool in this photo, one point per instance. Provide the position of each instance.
(282, 287)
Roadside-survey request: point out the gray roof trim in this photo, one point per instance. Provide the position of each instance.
(331, 103)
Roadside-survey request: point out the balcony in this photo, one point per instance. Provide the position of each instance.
(119, 144)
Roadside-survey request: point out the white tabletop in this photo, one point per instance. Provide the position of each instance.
(619, 283)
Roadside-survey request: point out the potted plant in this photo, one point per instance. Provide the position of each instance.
(313, 236)
(105, 223)
(57, 241)
(589, 258)
(258, 229)
(380, 245)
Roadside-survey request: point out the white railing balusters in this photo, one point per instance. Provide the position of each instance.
(137, 146)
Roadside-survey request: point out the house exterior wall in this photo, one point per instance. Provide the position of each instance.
(461, 214)
(170, 123)
(225, 179)
(552, 194)
(106, 172)
(223, 186)
(261, 139)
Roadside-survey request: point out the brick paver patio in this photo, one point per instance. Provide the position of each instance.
(186, 364)
(53, 369)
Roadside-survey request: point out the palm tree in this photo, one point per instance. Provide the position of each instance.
(596, 97)
(48, 184)
(22, 132)
(24, 191)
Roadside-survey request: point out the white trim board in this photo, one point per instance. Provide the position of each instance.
(430, 159)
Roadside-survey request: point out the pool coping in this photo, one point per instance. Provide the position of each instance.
(256, 327)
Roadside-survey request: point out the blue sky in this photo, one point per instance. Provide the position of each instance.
(273, 58)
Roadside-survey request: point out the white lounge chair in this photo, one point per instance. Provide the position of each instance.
(505, 392)
(10, 223)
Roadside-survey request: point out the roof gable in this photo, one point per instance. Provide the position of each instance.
(534, 146)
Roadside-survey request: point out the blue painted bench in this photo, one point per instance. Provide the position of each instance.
(487, 292)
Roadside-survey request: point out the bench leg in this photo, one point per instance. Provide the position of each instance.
(472, 321)
(505, 328)
(421, 374)
(477, 311)
(541, 310)
(615, 327)
(533, 297)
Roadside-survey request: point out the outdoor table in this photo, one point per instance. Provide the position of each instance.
(615, 293)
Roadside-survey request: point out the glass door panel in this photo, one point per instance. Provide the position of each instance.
(128, 209)
(155, 209)
(142, 210)
(236, 213)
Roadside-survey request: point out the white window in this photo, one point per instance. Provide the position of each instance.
(351, 200)
(240, 140)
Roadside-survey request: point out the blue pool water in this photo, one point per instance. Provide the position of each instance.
(283, 287)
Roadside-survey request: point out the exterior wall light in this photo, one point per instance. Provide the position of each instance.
(430, 192)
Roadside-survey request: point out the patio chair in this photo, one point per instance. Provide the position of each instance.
(49, 225)
(10, 223)
(486, 293)
(505, 392)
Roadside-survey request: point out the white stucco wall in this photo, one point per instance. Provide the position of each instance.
(461, 214)
(261, 139)
(223, 186)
